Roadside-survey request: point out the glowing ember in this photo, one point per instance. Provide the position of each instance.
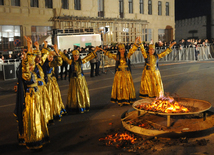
(165, 105)
(119, 138)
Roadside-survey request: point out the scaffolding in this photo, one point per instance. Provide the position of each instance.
(120, 30)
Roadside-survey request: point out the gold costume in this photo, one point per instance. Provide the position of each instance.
(123, 90)
(56, 106)
(78, 99)
(35, 128)
(151, 82)
(44, 95)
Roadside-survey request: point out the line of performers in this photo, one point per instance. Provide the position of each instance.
(39, 101)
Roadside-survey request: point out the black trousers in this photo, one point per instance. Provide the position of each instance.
(97, 70)
(92, 69)
(66, 71)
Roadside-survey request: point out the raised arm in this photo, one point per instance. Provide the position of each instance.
(134, 48)
(167, 51)
(90, 56)
(110, 55)
(143, 51)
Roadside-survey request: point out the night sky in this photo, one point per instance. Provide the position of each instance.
(191, 8)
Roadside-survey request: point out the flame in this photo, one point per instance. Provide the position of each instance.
(165, 105)
(118, 138)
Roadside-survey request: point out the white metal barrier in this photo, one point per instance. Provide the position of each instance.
(184, 54)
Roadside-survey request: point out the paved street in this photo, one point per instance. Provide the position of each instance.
(80, 133)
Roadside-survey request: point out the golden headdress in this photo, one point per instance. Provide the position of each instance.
(31, 59)
(151, 46)
(121, 46)
(37, 52)
(75, 52)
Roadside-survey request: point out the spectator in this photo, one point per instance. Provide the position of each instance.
(92, 62)
(98, 59)
(1, 59)
(197, 52)
(64, 65)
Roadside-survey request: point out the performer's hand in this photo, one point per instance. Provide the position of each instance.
(53, 53)
(45, 44)
(37, 45)
(136, 40)
(172, 44)
(56, 49)
(140, 41)
(96, 49)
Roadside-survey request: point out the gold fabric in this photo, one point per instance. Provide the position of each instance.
(89, 57)
(123, 89)
(44, 96)
(34, 122)
(78, 93)
(151, 82)
(56, 104)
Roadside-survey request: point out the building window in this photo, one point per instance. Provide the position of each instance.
(149, 7)
(167, 8)
(161, 35)
(77, 4)
(159, 8)
(147, 35)
(15, 2)
(121, 8)
(38, 32)
(130, 6)
(34, 3)
(48, 4)
(141, 7)
(1, 2)
(65, 4)
(9, 33)
(100, 8)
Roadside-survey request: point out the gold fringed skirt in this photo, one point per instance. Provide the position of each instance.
(151, 84)
(78, 95)
(57, 107)
(35, 129)
(46, 101)
(123, 90)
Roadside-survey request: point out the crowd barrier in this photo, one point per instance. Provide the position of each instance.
(181, 54)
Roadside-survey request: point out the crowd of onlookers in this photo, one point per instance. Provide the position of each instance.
(183, 43)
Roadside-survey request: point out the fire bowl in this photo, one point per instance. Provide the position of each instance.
(151, 123)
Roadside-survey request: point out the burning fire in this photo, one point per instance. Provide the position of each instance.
(119, 139)
(165, 105)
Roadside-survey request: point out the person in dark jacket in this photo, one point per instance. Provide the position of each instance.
(64, 65)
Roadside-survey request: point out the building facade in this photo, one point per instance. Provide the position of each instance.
(117, 21)
(192, 28)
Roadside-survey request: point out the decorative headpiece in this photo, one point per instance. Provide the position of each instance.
(75, 52)
(31, 60)
(121, 46)
(37, 52)
(151, 46)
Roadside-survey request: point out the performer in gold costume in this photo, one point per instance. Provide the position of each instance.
(56, 106)
(44, 95)
(35, 128)
(78, 100)
(123, 90)
(151, 82)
